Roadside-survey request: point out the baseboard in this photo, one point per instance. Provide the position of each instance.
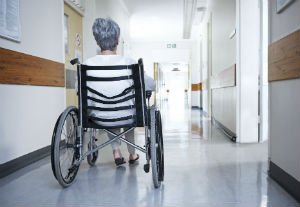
(23, 161)
(225, 130)
(290, 184)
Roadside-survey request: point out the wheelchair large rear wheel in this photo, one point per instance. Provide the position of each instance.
(64, 152)
(157, 148)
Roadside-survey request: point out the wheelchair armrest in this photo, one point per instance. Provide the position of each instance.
(75, 61)
(148, 94)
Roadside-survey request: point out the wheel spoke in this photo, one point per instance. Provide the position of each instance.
(63, 157)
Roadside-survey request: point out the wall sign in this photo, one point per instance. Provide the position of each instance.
(171, 45)
(10, 20)
(77, 40)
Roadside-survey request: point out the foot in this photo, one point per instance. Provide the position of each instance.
(119, 160)
(117, 153)
(133, 158)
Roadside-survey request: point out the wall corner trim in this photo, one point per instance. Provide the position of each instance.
(23, 161)
(289, 183)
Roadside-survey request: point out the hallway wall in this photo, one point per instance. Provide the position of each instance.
(231, 33)
(196, 72)
(28, 113)
(223, 24)
(285, 99)
(216, 31)
(205, 63)
(223, 57)
(284, 23)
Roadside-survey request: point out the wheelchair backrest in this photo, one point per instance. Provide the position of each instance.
(92, 101)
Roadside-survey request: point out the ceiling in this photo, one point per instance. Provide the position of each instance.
(158, 19)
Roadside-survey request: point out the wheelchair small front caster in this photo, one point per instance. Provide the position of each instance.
(146, 168)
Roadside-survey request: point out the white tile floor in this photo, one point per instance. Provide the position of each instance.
(202, 168)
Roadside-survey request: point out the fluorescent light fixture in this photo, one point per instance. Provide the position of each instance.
(175, 69)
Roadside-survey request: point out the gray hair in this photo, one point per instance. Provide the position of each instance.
(106, 33)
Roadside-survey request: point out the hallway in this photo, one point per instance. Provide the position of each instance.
(235, 63)
(200, 170)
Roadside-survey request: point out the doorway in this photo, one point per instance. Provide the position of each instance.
(73, 30)
(173, 96)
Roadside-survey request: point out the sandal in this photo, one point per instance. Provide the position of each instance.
(134, 160)
(120, 161)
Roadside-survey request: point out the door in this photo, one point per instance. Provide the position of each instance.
(73, 48)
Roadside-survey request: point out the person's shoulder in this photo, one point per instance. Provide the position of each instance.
(129, 60)
(109, 60)
(91, 61)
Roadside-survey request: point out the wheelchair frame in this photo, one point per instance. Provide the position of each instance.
(150, 120)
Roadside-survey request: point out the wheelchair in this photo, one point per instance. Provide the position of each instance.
(73, 123)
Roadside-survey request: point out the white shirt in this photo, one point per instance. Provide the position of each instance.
(112, 88)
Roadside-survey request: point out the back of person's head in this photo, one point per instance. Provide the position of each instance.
(106, 33)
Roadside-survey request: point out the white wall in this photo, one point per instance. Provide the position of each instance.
(205, 74)
(223, 57)
(28, 116)
(264, 84)
(41, 30)
(28, 113)
(284, 23)
(224, 107)
(285, 99)
(247, 66)
(114, 9)
(242, 50)
(196, 71)
(284, 126)
(223, 23)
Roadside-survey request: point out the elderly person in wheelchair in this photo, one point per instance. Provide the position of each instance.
(107, 33)
(112, 92)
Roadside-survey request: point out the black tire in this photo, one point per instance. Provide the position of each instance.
(157, 155)
(160, 151)
(64, 152)
(52, 146)
(92, 158)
